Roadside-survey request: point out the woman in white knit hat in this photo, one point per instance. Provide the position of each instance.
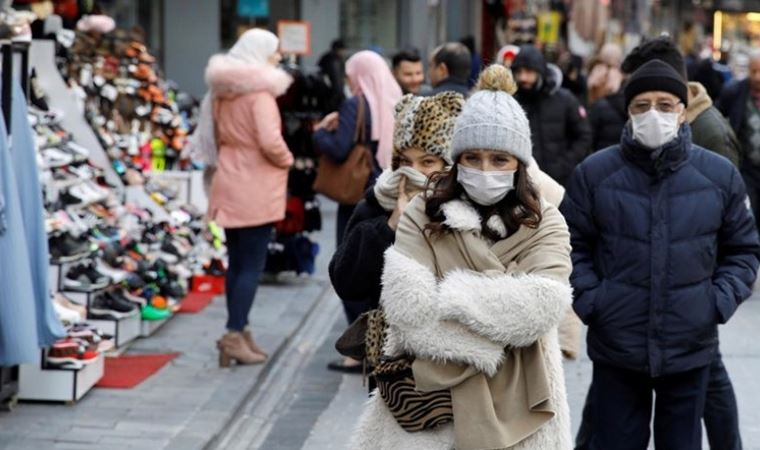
(473, 290)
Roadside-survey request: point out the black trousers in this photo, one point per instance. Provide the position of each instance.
(352, 309)
(721, 415)
(622, 409)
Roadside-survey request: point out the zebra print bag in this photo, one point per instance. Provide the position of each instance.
(412, 409)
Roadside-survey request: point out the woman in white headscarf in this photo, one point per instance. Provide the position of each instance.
(242, 138)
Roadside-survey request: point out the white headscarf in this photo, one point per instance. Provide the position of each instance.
(255, 46)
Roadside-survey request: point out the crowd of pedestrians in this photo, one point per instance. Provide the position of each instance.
(503, 206)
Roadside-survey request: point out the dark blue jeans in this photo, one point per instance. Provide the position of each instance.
(622, 409)
(247, 251)
(721, 414)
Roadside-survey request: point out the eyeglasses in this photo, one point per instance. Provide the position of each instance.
(663, 107)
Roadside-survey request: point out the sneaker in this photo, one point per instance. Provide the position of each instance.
(215, 267)
(116, 275)
(65, 354)
(71, 199)
(151, 313)
(66, 248)
(53, 157)
(108, 306)
(66, 315)
(84, 278)
(171, 289)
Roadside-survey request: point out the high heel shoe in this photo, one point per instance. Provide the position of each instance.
(232, 346)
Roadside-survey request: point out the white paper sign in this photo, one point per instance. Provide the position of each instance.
(295, 37)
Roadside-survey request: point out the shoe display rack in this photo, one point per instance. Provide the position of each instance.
(37, 382)
(124, 330)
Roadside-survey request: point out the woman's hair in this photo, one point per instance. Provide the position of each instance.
(522, 206)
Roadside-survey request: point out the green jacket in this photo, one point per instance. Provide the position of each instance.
(709, 129)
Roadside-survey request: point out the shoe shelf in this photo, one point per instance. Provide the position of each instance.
(37, 382)
(123, 330)
(148, 327)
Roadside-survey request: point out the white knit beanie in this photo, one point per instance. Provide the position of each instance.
(493, 120)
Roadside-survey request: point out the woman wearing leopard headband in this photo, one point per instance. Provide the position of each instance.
(421, 138)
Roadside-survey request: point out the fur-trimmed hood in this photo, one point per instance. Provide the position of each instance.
(228, 78)
(699, 101)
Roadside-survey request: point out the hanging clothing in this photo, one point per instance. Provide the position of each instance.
(18, 331)
(23, 156)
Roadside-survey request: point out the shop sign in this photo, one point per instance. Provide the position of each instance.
(295, 37)
(253, 8)
(548, 27)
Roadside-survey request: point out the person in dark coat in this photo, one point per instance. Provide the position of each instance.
(664, 250)
(740, 102)
(607, 117)
(711, 131)
(421, 137)
(449, 69)
(333, 65)
(559, 128)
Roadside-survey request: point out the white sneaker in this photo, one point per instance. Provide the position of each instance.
(53, 157)
(115, 274)
(78, 149)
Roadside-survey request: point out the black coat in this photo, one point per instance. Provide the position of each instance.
(664, 250)
(733, 103)
(357, 265)
(451, 84)
(607, 117)
(559, 129)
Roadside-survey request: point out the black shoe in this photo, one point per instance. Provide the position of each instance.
(66, 248)
(70, 200)
(339, 366)
(84, 278)
(216, 268)
(108, 306)
(95, 275)
(171, 289)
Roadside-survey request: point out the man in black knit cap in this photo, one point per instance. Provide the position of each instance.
(711, 131)
(664, 249)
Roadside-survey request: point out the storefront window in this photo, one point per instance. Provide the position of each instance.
(369, 23)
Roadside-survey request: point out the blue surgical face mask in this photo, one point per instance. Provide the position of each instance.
(486, 188)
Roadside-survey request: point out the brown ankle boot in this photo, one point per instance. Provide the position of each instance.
(232, 346)
(248, 336)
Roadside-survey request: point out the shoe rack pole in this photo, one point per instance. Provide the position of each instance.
(22, 48)
(7, 61)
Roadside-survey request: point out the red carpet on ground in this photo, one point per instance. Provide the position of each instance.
(126, 372)
(196, 302)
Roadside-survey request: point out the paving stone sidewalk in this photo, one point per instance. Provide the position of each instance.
(181, 407)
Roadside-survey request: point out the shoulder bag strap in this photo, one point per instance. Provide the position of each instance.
(360, 131)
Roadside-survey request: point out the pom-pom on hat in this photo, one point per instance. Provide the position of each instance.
(492, 119)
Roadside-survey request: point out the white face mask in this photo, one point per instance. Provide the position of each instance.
(653, 129)
(486, 188)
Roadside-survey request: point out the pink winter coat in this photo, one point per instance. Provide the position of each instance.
(249, 187)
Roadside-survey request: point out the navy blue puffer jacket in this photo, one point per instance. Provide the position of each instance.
(664, 249)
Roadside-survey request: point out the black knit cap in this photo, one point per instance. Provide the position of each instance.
(656, 75)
